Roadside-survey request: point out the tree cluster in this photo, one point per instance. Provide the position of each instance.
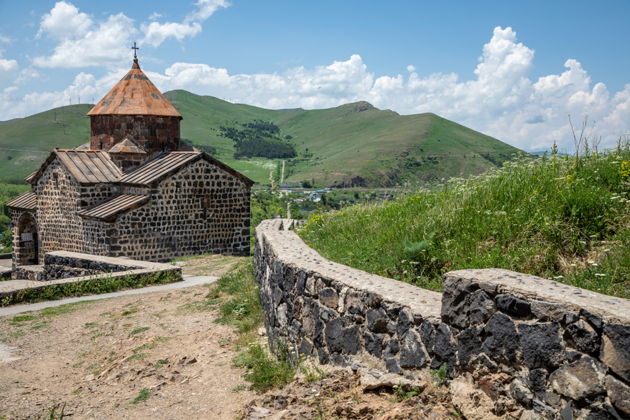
(259, 139)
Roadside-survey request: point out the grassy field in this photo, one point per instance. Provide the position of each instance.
(26, 142)
(554, 217)
(349, 144)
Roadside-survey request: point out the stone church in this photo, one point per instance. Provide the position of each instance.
(134, 190)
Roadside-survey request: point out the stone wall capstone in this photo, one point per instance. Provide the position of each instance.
(535, 347)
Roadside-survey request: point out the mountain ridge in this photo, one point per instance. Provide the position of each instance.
(354, 144)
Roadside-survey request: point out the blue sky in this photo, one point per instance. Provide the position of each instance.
(514, 70)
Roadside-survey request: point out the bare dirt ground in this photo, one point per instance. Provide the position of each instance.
(340, 394)
(158, 355)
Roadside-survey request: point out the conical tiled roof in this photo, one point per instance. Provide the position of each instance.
(135, 94)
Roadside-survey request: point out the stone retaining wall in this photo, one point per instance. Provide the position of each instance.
(107, 274)
(63, 264)
(533, 346)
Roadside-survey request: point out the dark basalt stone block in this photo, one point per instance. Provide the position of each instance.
(405, 321)
(615, 350)
(373, 344)
(377, 320)
(503, 341)
(541, 344)
(464, 307)
(392, 366)
(438, 340)
(581, 336)
(412, 354)
(340, 339)
(512, 305)
(468, 344)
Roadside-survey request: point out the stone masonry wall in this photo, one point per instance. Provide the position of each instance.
(61, 265)
(200, 209)
(153, 133)
(59, 227)
(535, 347)
(59, 197)
(102, 271)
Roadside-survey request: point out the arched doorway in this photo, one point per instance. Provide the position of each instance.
(26, 249)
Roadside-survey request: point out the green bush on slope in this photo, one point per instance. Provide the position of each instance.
(554, 217)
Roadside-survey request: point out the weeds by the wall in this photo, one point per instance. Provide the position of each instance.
(555, 217)
(440, 375)
(264, 370)
(404, 392)
(240, 306)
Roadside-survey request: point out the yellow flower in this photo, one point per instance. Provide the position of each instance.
(625, 169)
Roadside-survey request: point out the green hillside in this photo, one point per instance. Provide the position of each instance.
(555, 217)
(353, 144)
(26, 142)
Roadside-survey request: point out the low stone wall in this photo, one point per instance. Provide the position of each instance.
(531, 345)
(553, 348)
(111, 274)
(63, 264)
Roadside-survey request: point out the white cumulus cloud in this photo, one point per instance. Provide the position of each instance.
(65, 21)
(7, 66)
(82, 41)
(155, 33)
(8, 70)
(502, 99)
(89, 43)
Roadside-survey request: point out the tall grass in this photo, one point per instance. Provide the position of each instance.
(556, 217)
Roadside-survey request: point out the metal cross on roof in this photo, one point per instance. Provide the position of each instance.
(135, 49)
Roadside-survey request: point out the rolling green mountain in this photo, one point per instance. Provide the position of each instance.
(353, 144)
(26, 142)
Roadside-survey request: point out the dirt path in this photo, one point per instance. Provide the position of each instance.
(157, 355)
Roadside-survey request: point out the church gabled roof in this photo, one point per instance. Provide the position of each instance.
(155, 169)
(135, 94)
(169, 163)
(113, 207)
(26, 201)
(86, 166)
